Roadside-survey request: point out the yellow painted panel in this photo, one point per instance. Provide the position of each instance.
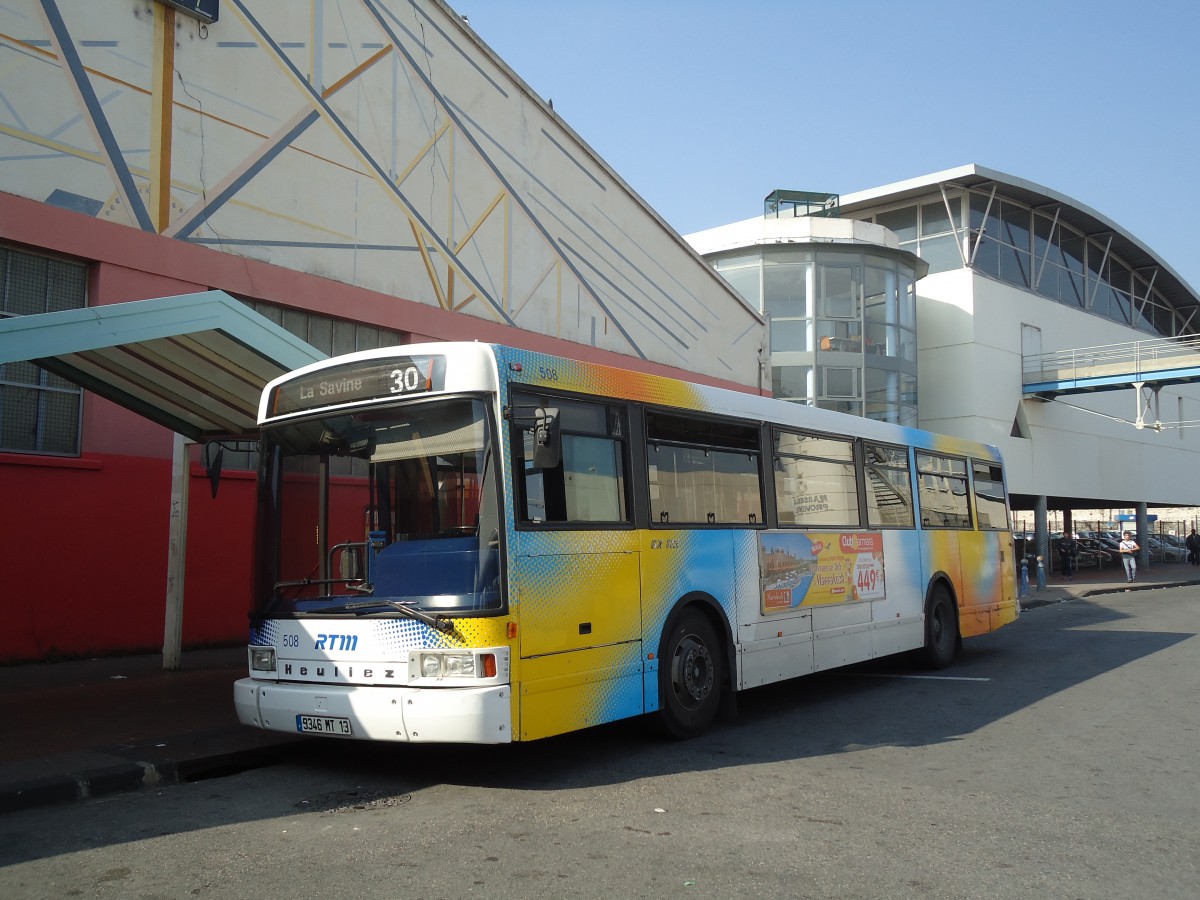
(570, 593)
(565, 691)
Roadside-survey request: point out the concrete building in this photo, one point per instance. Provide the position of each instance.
(1040, 326)
(357, 174)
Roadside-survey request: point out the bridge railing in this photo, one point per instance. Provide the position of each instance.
(1134, 358)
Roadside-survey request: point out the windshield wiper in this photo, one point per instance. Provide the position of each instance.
(361, 607)
(352, 584)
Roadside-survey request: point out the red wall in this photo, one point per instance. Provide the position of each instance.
(86, 548)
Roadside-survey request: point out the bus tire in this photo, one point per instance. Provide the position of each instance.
(690, 676)
(941, 629)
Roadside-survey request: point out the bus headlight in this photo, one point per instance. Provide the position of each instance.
(455, 664)
(448, 665)
(262, 659)
(431, 665)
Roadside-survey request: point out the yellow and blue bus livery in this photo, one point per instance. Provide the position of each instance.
(465, 542)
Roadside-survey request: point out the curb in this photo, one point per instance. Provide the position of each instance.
(75, 786)
(1034, 602)
(132, 776)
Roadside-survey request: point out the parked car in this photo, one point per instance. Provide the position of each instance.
(1091, 557)
(1105, 549)
(1164, 551)
(1086, 556)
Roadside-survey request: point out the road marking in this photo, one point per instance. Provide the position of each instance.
(919, 677)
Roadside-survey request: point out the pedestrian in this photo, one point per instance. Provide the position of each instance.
(1192, 542)
(1068, 550)
(1129, 549)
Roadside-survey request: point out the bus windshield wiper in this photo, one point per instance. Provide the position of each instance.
(353, 584)
(362, 607)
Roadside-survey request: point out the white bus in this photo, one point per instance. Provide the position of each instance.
(474, 543)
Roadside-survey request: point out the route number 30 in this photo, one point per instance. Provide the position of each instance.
(406, 380)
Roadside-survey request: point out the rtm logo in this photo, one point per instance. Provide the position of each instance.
(341, 642)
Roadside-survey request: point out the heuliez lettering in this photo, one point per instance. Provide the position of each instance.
(337, 672)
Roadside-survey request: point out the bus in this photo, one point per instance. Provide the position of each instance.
(464, 542)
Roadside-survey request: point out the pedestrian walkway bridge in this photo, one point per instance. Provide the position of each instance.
(1150, 364)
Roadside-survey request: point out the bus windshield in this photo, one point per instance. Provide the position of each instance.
(396, 505)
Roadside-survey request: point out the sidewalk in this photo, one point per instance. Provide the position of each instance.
(74, 730)
(80, 729)
(1108, 580)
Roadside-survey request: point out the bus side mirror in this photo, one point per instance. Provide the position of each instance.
(547, 441)
(543, 422)
(350, 564)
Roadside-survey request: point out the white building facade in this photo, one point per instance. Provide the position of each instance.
(1007, 271)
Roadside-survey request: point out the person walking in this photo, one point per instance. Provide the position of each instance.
(1129, 549)
(1192, 542)
(1068, 550)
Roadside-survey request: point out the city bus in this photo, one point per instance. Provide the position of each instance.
(463, 542)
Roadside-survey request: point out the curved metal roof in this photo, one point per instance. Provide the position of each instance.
(1169, 283)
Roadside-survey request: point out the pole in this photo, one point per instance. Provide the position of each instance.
(176, 554)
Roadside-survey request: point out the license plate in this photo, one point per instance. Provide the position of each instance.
(323, 725)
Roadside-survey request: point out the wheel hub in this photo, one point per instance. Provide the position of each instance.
(696, 670)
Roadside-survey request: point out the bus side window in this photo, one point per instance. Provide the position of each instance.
(990, 506)
(943, 491)
(702, 472)
(888, 487)
(815, 481)
(589, 483)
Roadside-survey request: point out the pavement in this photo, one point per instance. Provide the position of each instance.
(87, 728)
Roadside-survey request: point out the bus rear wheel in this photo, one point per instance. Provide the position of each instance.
(690, 676)
(941, 630)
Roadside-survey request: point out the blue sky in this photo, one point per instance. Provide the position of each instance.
(706, 106)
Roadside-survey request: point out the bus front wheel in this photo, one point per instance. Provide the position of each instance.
(941, 630)
(690, 675)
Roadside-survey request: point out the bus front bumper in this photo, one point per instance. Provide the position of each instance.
(480, 715)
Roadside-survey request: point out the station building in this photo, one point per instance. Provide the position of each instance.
(190, 206)
(979, 304)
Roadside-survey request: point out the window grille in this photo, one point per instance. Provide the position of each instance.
(39, 412)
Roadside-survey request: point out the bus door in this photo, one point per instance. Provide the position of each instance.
(575, 572)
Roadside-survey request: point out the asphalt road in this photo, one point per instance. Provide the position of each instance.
(1056, 759)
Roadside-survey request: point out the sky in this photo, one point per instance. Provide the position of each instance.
(706, 106)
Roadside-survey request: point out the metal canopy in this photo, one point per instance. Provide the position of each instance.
(800, 203)
(196, 363)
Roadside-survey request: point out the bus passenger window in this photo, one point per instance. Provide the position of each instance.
(815, 483)
(702, 473)
(588, 484)
(889, 490)
(943, 487)
(990, 506)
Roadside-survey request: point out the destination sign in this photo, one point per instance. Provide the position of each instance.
(380, 379)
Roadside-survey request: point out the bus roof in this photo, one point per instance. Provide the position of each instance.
(475, 367)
